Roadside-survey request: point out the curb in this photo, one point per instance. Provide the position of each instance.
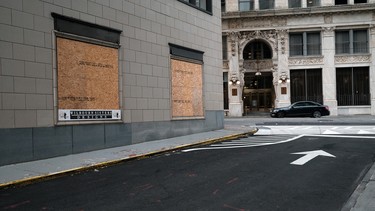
(30, 180)
(353, 199)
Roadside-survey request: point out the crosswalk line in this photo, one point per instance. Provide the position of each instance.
(330, 132)
(364, 132)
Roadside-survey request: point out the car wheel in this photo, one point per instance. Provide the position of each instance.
(280, 114)
(317, 114)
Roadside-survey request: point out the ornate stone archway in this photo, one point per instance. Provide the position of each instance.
(275, 39)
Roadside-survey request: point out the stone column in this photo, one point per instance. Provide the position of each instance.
(327, 2)
(281, 4)
(282, 98)
(372, 68)
(234, 78)
(231, 5)
(304, 3)
(329, 71)
(256, 5)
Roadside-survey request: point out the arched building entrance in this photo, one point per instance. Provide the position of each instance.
(258, 91)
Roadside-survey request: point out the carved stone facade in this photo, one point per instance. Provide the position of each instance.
(274, 27)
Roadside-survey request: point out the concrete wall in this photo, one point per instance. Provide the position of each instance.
(28, 72)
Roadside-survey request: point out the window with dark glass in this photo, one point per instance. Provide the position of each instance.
(338, 2)
(313, 3)
(257, 50)
(306, 85)
(360, 1)
(266, 4)
(294, 3)
(205, 5)
(223, 6)
(225, 91)
(246, 5)
(225, 47)
(304, 44)
(353, 86)
(351, 41)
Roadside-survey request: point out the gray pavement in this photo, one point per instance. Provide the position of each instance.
(15, 174)
(362, 199)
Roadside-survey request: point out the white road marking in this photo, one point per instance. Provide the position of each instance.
(364, 132)
(309, 156)
(330, 132)
(321, 129)
(243, 146)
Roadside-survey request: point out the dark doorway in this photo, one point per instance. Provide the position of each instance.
(258, 93)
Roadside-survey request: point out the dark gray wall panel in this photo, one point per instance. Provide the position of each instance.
(220, 119)
(52, 142)
(88, 138)
(164, 129)
(181, 127)
(143, 131)
(16, 145)
(118, 135)
(20, 145)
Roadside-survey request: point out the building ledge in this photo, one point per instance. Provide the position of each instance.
(368, 7)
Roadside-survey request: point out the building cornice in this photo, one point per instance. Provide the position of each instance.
(341, 9)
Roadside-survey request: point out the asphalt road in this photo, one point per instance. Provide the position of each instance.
(250, 177)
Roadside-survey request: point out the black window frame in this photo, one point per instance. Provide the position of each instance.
(306, 85)
(257, 50)
(225, 91)
(269, 6)
(353, 86)
(192, 3)
(341, 2)
(294, 3)
(350, 46)
(243, 2)
(360, 1)
(304, 48)
(225, 47)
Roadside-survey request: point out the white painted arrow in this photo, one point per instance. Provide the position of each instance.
(309, 156)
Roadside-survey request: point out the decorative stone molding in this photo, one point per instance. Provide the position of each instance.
(255, 23)
(265, 64)
(372, 29)
(269, 35)
(283, 37)
(312, 11)
(305, 61)
(328, 18)
(251, 23)
(352, 59)
(275, 74)
(279, 21)
(235, 23)
(225, 64)
(233, 38)
(328, 31)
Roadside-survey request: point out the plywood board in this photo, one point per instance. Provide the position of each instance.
(87, 75)
(187, 89)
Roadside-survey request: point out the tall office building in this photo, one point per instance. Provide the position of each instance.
(81, 75)
(277, 52)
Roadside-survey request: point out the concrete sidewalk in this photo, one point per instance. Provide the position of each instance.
(15, 174)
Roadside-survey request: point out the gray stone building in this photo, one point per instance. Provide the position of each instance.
(279, 52)
(81, 75)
